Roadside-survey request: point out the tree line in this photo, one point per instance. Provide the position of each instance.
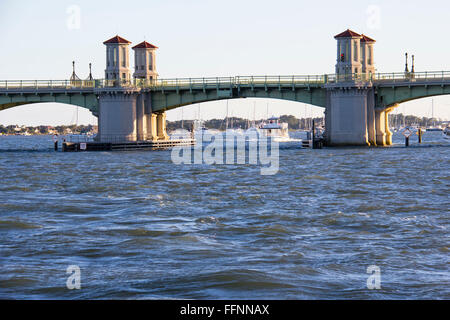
(396, 120)
(45, 130)
(240, 123)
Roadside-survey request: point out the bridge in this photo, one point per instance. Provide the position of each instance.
(356, 104)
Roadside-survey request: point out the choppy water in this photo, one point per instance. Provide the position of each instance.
(140, 227)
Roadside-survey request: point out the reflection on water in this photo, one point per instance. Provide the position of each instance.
(140, 227)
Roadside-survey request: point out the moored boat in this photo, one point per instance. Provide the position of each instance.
(276, 130)
(446, 133)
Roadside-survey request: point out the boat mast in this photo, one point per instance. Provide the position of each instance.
(432, 113)
(254, 114)
(182, 118)
(232, 118)
(226, 118)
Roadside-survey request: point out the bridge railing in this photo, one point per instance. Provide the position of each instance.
(283, 80)
(426, 76)
(50, 84)
(232, 81)
(188, 82)
(228, 82)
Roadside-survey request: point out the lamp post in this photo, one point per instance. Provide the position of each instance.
(406, 65)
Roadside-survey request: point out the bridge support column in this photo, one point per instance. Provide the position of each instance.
(388, 130)
(141, 121)
(371, 128)
(161, 125)
(117, 117)
(151, 127)
(346, 117)
(380, 123)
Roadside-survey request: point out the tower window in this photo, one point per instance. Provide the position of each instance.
(124, 57)
(355, 51)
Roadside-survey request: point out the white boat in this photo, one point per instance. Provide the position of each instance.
(446, 133)
(180, 134)
(279, 132)
(201, 132)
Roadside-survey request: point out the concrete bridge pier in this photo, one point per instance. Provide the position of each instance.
(151, 127)
(371, 127)
(351, 118)
(380, 122)
(149, 118)
(128, 117)
(347, 117)
(389, 134)
(384, 134)
(117, 117)
(161, 127)
(141, 123)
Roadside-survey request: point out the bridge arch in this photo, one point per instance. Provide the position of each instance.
(391, 97)
(165, 101)
(88, 101)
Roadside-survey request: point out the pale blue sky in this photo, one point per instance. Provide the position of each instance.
(200, 38)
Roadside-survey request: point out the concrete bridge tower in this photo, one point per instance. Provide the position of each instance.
(117, 60)
(117, 101)
(150, 126)
(350, 110)
(348, 60)
(367, 59)
(125, 107)
(145, 61)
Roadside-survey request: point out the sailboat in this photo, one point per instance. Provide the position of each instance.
(180, 133)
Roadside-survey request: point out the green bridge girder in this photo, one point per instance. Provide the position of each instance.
(168, 100)
(389, 96)
(86, 100)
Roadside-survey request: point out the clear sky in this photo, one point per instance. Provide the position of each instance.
(201, 38)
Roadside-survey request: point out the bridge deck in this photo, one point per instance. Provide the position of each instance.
(86, 86)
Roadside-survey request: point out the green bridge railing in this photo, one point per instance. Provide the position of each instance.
(222, 82)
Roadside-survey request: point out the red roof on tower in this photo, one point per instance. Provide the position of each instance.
(145, 45)
(347, 34)
(117, 39)
(366, 39)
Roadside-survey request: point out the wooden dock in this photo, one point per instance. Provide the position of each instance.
(125, 146)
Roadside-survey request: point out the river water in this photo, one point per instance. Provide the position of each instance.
(140, 227)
